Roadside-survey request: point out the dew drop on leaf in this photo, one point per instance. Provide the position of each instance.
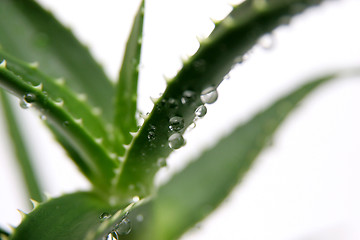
(188, 97)
(66, 123)
(209, 95)
(201, 111)
(27, 100)
(151, 135)
(176, 123)
(140, 218)
(43, 117)
(104, 216)
(200, 65)
(176, 141)
(266, 41)
(124, 227)
(173, 103)
(112, 236)
(135, 199)
(161, 162)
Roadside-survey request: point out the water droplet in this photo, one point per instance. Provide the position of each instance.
(188, 97)
(27, 100)
(24, 104)
(66, 123)
(200, 65)
(99, 140)
(112, 236)
(176, 123)
(139, 218)
(209, 95)
(266, 41)
(30, 97)
(173, 103)
(43, 117)
(151, 135)
(124, 227)
(135, 199)
(176, 141)
(105, 216)
(201, 111)
(39, 87)
(161, 162)
(59, 102)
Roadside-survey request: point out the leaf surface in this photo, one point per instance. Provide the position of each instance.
(32, 34)
(96, 163)
(231, 39)
(70, 217)
(126, 96)
(198, 189)
(23, 157)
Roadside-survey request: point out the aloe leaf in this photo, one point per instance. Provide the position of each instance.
(23, 157)
(81, 215)
(218, 54)
(97, 165)
(32, 34)
(57, 90)
(126, 95)
(69, 217)
(3, 234)
(197, 190)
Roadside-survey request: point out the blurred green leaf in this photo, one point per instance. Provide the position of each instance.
(197, 190)
(23, 157)
(97, 164)
(226, 46)
(32, 34)
(126, 95)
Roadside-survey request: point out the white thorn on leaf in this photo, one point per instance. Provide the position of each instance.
(60, 81)
(134, 134)
(22, 214)
(82, 97)
(126, 146)
(3, 64)
(154, 100)
(229, 22)
(34, 65)
(47, 196)
(34, 203)
(96, 111)
(79, 121)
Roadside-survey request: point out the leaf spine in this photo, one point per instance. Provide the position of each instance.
(22, 214)
(3, 64)
(34, 203)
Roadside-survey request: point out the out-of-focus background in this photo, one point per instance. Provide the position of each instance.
(305, 186)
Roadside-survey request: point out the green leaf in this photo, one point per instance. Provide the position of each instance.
(32, 34)
(126, 95)
(57, 90)
(69, 217)
(197, 190)
(231, 39)
(81, 215)
(97, 165)
(23, 157)
(3, 234)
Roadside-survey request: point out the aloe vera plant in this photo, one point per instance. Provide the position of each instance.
(120, 150)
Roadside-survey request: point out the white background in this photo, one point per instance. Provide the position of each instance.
(304, 187)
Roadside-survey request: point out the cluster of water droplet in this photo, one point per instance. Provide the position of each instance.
(121, 228)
